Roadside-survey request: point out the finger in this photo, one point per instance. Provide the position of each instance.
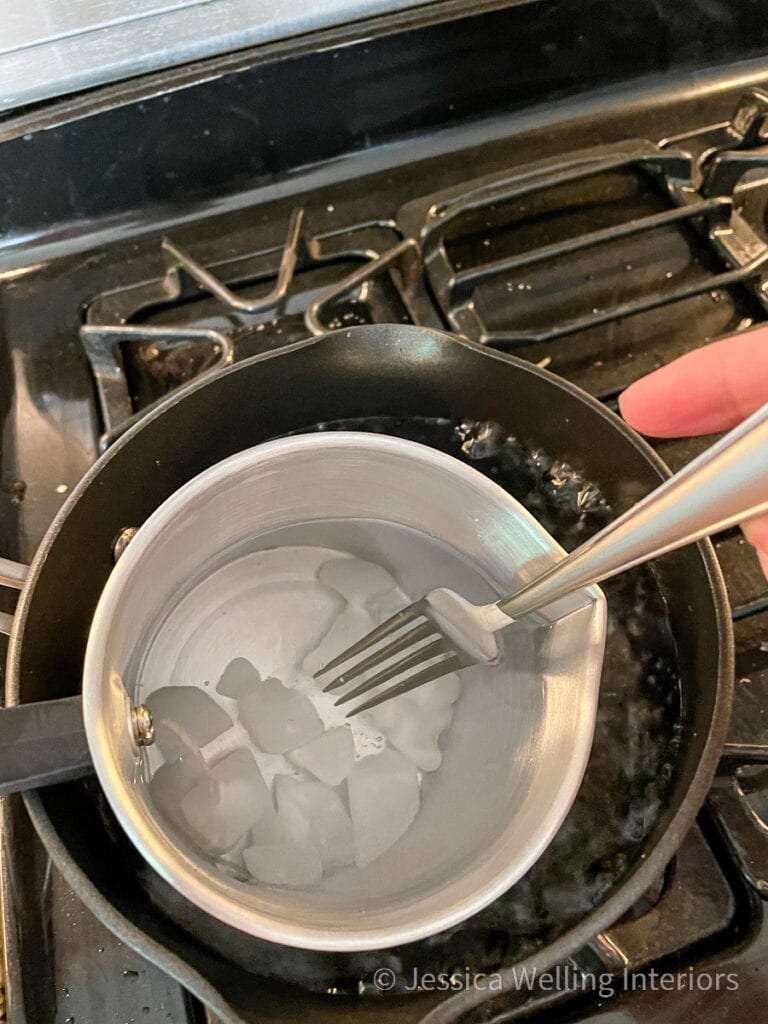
(710, 389)
(756, 532)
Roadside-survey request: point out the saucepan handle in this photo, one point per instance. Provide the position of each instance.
(41, 743)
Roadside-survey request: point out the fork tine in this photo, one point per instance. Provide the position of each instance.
(413, 660)
(403, 642)
(401, 618)
(442, 668)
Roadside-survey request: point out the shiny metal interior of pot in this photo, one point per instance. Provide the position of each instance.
(522, 730)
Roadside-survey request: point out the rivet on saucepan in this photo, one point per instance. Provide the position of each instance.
(122, 541)
(141, 721)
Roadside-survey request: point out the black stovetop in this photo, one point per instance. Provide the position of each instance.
(605, 257)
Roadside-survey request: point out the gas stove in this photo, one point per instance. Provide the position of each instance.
(600, 234)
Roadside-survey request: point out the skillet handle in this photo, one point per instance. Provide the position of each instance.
(42, 744)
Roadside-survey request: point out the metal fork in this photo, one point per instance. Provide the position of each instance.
(443, 632)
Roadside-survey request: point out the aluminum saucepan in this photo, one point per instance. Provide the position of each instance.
(521, 734)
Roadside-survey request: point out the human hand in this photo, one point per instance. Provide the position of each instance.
(706, 391)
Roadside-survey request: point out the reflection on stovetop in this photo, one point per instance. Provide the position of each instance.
(69, 968)
(704, 906)
(599, 265)
(619, 254)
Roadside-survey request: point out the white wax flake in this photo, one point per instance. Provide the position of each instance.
(412, 731)
(356, 580)
(384, 606)
(228, 801)
(277, 718)
(383, 801)
(287, 621)
(315, 815)
(350, 626)
(329, 757)
(175, 743)
(189, 707)
(413, 722)
(238, 678)
(271, 830)
(170, 784)
(439, 693)
(295, 865)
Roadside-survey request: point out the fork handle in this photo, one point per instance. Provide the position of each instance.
(726, 484)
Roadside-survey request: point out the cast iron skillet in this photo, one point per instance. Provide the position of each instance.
(374, 370)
